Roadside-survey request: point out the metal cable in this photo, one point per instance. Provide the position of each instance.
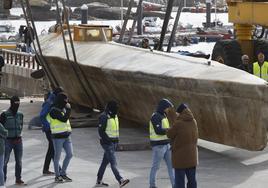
(134, 22)
(40, 59)
(165, 23)
(123, 29)
(173, 33)
(75, 60)
(67, 53)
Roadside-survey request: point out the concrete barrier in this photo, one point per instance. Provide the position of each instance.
(17, 80)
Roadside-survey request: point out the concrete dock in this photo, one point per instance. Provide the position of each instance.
(219, 166)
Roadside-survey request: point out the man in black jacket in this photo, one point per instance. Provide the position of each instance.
(109, 137)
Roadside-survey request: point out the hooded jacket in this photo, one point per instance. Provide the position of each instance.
(46, 106)
(184, 134)
(61, 113)
(156, 120)
(109, 112)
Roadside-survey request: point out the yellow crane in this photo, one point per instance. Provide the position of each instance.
(245, 15)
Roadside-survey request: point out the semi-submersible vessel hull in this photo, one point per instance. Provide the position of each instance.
(229, 105)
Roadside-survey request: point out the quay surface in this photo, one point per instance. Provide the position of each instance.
(219, 166)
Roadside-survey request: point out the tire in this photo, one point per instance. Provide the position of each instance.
(227, 52)
(260, 46)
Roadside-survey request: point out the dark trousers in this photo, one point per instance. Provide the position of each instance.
(180, 177)
(109, 157)
(16, 145)
(50, 152)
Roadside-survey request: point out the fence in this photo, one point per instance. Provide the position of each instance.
(20, 59)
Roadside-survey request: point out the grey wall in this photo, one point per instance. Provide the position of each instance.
(17, 80)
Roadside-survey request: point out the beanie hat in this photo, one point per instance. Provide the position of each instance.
(14, 104)
(181, 108)
(112, 107)
(164, 104)
(58, 90)
(61, 100)
(14, 99)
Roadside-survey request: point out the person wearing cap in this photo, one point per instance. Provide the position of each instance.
(260, 68)
(12, 120)
(160, 143)
(46, 107)
(184, 135)
(245, 66)
(60, 127)
(109, 138)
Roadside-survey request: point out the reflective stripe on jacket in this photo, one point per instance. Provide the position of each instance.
(57, 126)
(156, 137)
(261, 72)
(112, 129)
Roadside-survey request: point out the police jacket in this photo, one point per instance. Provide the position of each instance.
(103, 133)
(13, 123)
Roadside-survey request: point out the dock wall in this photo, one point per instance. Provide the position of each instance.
(15, 76)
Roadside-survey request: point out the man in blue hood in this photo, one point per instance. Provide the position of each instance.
(160, 143)
(46, 107)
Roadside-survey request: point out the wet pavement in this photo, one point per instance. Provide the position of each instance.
(219, 166)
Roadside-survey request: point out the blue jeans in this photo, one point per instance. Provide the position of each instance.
(180, 178)
(109, 157)
(161, 152)
(16, 145)
(58, 144)
(2, 181)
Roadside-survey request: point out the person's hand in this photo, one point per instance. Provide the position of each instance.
(167, 110)
(171, 115)
(68, 106)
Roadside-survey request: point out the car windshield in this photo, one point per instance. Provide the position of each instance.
(4, 29)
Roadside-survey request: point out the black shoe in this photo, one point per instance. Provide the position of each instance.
(123, 182)
(48, 173)
(66, 178)
(58, 179)
(20, 182)
(101, 184)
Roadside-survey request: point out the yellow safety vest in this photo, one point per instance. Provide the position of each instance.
(57, 126)
(156, 137)
(112, 128)
(261, 72)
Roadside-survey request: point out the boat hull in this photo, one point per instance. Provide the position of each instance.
(229, 105)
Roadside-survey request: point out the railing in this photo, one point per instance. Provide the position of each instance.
(20, 59)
